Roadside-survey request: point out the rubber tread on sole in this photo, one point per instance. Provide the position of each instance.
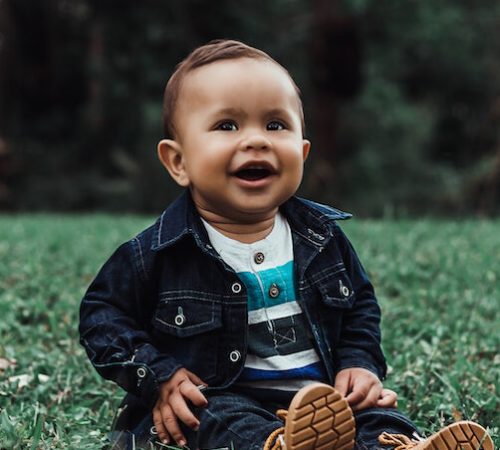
(319, 418)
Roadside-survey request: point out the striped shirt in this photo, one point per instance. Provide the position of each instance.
(281, 352)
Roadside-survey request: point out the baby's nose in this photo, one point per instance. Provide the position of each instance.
(256, 141)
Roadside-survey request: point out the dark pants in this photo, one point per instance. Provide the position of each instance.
(234, 420)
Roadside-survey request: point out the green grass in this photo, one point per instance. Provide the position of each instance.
(437, 282)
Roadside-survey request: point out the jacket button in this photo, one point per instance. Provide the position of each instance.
(180, 319)
(344, 289)
(274, 291)
(235, 356)
(259, 258)
(141, 372)
(236, 288)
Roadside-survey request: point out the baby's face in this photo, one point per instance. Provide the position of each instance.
(239, 138)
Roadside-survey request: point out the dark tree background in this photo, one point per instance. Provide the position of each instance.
(402, 98)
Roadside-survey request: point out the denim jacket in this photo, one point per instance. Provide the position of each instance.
(166, 300)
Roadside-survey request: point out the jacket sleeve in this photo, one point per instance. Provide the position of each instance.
(360, 337)
(114, 321)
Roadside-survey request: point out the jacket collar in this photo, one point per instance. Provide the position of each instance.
(313, 221)
(180, 219)
(309, 219)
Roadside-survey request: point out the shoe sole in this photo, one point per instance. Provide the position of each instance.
(319, 418)
(464, 435)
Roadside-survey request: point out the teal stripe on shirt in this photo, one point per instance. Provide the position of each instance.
(281, 275)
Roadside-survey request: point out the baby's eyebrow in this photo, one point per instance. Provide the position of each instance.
(241, 114)
(230, 112)
(277, 112)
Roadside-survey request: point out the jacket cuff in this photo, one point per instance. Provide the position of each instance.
(151, 369)
(355, 357)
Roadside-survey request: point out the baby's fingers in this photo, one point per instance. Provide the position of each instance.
(365, 398)
(342, 382)
(171, 424)
(388, 399)
(160, 427)
(193, 394)
(357, 396)
(195, 379)
(182, 411)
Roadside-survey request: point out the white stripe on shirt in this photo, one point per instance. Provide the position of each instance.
(282, 362)
(274, 312)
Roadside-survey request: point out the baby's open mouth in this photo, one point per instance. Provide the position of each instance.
(253, 173)
(254, 170)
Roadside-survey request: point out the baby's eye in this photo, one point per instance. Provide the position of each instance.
(227, 126)
(275, 125)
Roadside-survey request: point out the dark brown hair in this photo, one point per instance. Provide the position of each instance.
(213, 51)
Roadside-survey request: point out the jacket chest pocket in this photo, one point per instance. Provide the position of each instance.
(188, 327)
(336, 298)
(185, 316)
(336, 291)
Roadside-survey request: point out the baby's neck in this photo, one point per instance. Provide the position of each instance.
(246, 232)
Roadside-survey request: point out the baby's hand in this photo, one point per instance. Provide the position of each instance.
(388, 399)
(363, 389)
(171, 405)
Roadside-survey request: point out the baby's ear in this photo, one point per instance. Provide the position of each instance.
(170, 155)
(306, 147)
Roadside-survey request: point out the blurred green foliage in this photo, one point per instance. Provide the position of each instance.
(402, 99)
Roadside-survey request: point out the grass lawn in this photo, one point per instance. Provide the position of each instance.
(438, 283)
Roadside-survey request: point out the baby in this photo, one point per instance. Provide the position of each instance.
(243, 319)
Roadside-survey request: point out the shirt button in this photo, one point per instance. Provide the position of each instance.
(258, 258)
(236, 288)
(141, 372)
(235, 356)
(274, 290)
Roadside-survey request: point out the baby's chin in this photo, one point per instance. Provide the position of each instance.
(244, 216)
(245, 210)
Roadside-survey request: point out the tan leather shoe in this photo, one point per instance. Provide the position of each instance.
(318, 418)
(464, 435)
